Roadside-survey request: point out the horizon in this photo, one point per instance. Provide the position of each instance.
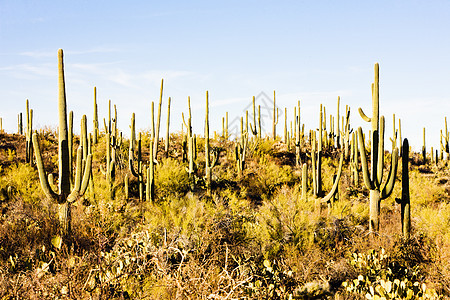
(312, 52)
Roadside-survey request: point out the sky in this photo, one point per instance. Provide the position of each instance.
(312, 51)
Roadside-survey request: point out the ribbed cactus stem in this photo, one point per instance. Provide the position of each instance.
(253, 127)
(304, 180)
(338, 131)
(285, 126)
(158, 122)
(209, 164)
(400, 136)
(150, 186)
(136, 172)
(64, 166)
(20, 124)
(405, 203)
(166, 145)
(297, 134)
(66, 195)
(424, 149)
(95, 121)
(274, 119)
(373, 181)
(29, 132)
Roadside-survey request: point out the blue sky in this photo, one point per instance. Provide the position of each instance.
(312, 51)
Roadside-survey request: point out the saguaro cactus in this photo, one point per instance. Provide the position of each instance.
(404, 201)
(19, 124)
(240, 150)
(445, 144)
(166, 145)
(297, 134)
(28, 133)
(136, 172)
(65, 196)
(256, 131)
(274, 119)
(373, 181)
(158, 122)
(424, 149)
(96, 131)
(210, 162)
(191, 147)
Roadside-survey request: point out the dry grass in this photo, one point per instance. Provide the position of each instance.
(254, 238)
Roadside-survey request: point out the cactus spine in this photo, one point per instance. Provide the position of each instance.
(373, 181)
(65, 196)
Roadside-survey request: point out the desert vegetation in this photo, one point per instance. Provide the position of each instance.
(324, 213)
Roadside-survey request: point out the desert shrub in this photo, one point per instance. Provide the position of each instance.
(171, 178)
(24, 181)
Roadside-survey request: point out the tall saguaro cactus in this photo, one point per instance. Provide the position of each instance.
(210, 162)
(96, 131)
(65, 196)
(191, 147)
(373, 179)
(404, 201)
(28, 134)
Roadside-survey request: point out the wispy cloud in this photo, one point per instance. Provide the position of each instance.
(29, 71)
(52, 53)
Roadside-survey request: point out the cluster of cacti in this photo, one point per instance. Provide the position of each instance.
(374, 176)
(113, 143)
(73, 187)
(316, 162)
(66, 194)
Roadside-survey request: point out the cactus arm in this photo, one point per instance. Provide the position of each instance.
(336, 182)
(42, 176)
(363, 115)
(79, 166)
(380, 166)
(364, 166)
(81, 183)
(86, 175)
(387, 189)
